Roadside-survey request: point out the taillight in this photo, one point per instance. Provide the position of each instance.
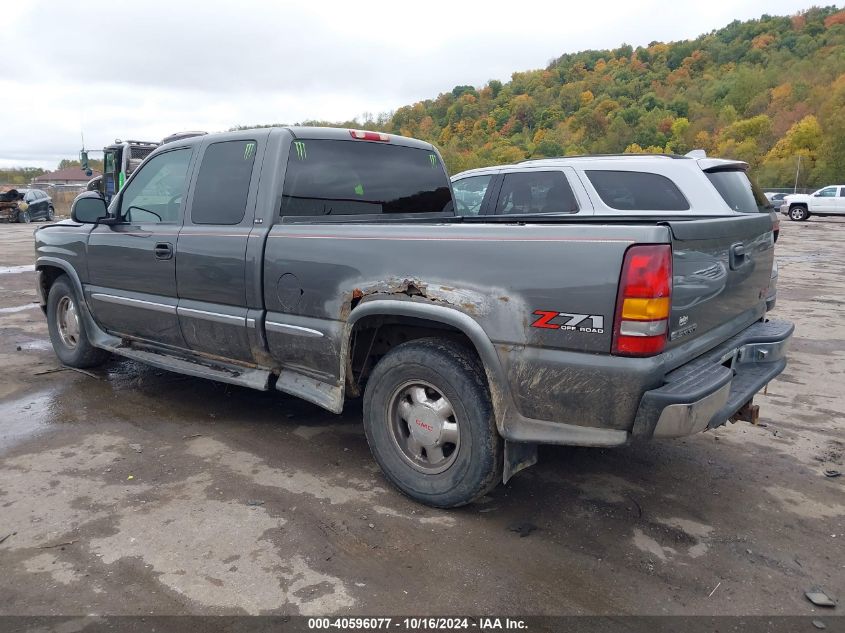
(644, 301)
(365, 135)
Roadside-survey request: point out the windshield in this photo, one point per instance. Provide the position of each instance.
(357, 177)
(739, 191)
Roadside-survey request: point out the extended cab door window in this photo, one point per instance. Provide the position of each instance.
(536, 192)
(223, 183)
(470, 193)
(154, 195)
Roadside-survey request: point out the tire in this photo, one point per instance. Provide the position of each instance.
(798, 213)
(24, 217)
(67, 328)
(438, 459)
(51, 214)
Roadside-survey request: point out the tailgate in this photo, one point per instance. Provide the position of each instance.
(721, 273)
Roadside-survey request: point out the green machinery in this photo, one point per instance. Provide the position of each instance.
(120, 159)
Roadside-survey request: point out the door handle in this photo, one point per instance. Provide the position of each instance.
(737, 256)
(163, 250)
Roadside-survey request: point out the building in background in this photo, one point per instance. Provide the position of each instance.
(69, 176)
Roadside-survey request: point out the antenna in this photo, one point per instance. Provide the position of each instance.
(83, 157)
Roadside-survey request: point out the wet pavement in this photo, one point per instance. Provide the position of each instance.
(138, 491)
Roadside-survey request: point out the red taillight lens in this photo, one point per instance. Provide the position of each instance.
(365, 135)
(644, 301)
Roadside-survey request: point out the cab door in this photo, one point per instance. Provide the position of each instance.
(825, 200)
(131, 265)
(212, 271)
(840, 202)
(31, 199)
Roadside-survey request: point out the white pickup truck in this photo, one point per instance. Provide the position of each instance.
(826, 201)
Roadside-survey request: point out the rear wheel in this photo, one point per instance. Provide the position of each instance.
(51, 213)
(67, 328)
(798, 213)
(430, 425)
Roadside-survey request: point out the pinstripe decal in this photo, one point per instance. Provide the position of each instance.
(450, 239)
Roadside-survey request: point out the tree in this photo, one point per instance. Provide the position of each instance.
(96, 165)
(803, 139)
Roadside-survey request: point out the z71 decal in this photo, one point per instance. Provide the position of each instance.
(549, 320)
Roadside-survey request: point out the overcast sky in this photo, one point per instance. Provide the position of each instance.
(143, 70)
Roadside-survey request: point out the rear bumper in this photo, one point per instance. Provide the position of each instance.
(706, 392)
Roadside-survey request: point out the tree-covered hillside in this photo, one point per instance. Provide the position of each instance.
(764, 91)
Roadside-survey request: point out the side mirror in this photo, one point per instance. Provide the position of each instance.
(89, 210)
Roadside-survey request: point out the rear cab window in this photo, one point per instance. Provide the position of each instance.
(637, 190)
(335, 177)
(531, 192)
(739, 192)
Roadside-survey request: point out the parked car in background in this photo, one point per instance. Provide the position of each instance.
(826, 201)
(626, 184)
(775, 197)
(25, 205)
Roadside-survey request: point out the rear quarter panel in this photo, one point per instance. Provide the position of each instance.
(316, 274)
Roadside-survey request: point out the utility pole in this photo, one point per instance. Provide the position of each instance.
(797, 171)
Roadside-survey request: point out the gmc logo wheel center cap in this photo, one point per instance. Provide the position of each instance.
(425, 425)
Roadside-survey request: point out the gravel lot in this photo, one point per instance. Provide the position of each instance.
(138, 491)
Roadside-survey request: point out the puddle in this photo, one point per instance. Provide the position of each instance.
(28, 306)
(24, 417)
(12, 270)
(40, 345)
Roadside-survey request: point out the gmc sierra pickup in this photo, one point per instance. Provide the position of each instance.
(330, 264)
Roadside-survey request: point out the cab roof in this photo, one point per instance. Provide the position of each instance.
(306, 132)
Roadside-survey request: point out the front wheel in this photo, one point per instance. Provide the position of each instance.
(24, 217)
(67, 328)
(430, 425)
(798, 214)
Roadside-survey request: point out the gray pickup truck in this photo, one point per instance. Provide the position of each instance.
(331, 264)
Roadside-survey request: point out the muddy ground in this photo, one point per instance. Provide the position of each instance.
(138, 491)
